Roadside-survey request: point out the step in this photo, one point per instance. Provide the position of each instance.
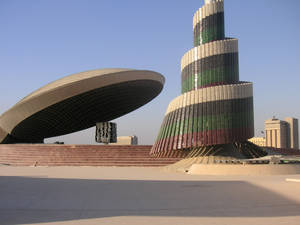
(80, 155)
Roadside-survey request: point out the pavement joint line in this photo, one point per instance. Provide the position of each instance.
(292, 180)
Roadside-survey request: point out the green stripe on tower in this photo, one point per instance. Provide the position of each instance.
(212, 77)
(212, 70)
(225, 114)
(212, 122)
(209, 29)
(208, 35)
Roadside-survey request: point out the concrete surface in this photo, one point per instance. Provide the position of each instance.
(248, 169)
(113, 195)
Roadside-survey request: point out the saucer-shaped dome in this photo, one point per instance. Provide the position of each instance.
(77, 102)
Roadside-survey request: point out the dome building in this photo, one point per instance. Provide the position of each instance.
(78, 102)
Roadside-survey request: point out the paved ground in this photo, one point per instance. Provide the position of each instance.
(87, 195)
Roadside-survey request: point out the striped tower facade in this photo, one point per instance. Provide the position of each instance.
(214, 107)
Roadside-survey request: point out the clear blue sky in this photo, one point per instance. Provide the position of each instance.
(41, 41)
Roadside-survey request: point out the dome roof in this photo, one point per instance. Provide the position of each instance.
(77, 102)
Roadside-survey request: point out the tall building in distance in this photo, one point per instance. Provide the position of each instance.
(276, 133)
(214, 113)
(293, 132)
(282, 133)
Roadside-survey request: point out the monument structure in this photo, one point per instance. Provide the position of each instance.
(213, 116)
(78, 102)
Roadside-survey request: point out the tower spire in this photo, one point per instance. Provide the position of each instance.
(209, 1)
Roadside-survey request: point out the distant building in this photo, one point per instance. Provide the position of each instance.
(260, 141)
(282, 134)
(293, 140)
(276, 133)
(126, 140)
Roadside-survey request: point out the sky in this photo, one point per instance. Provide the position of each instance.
(42, 41)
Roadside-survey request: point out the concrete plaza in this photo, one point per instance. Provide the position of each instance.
(133, 195)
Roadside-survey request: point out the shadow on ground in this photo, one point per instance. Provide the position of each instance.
(36, 200)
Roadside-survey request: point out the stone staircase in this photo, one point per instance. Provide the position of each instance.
(79, 155)
(282, 151)
(90, 155)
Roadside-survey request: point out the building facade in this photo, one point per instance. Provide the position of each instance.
(214, 107)
(282, 133)
(126, 140)
(293, 139)
(259, 141)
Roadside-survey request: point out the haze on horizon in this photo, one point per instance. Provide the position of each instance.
(42, 41)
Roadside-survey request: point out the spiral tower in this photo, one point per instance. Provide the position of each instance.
(214, 113)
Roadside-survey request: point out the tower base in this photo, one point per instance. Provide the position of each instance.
(238, 150)
(235, 153)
